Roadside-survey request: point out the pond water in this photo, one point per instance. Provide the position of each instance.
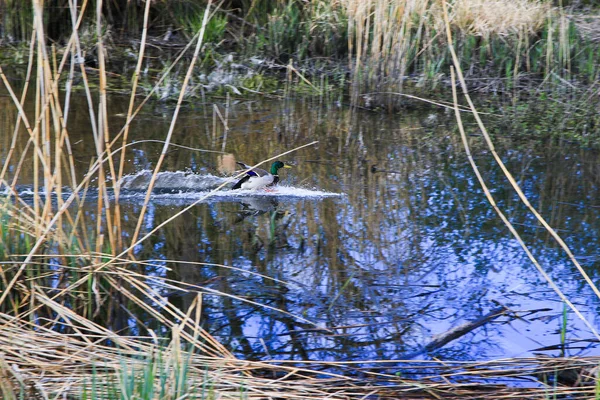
(379, 239)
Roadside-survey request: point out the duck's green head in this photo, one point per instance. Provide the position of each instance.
(276, 165)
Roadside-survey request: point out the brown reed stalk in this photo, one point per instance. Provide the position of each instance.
(94, 122)
(62, 142)
(59, 130)
(33, 132)
(135, 79)
(173, 121)
(48, 120)
(134, 85)
(22, 102)
(43, 121)
(36, 144)
(549, 45)
(103, 142)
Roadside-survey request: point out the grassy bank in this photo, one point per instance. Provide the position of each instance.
(372, 50)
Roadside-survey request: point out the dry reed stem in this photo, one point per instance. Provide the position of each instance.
(134, 84)
(309, 83)
(172, 126)
(196, 149)
(22, 102)
(22, 115)
(515, 186)
(46, 118)
(103, 141)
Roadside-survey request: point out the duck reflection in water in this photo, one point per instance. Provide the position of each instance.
(266, 205)
(259, 205)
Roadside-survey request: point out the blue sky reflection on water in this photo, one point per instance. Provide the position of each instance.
(403, 256)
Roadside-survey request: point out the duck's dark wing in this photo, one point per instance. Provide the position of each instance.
(241, 181)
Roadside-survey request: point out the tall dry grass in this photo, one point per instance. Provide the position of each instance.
(392, 42)
(493, 17)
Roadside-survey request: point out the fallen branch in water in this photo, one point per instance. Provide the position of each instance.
(443, 339)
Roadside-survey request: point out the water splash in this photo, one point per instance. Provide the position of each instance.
(181, 187)
(184, 187)
(188, 184)
(178, 181)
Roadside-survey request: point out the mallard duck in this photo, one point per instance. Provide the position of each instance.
(259, 178)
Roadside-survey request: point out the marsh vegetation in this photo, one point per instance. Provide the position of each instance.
(436, 237)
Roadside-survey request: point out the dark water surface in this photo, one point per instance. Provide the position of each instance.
(366, 265)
